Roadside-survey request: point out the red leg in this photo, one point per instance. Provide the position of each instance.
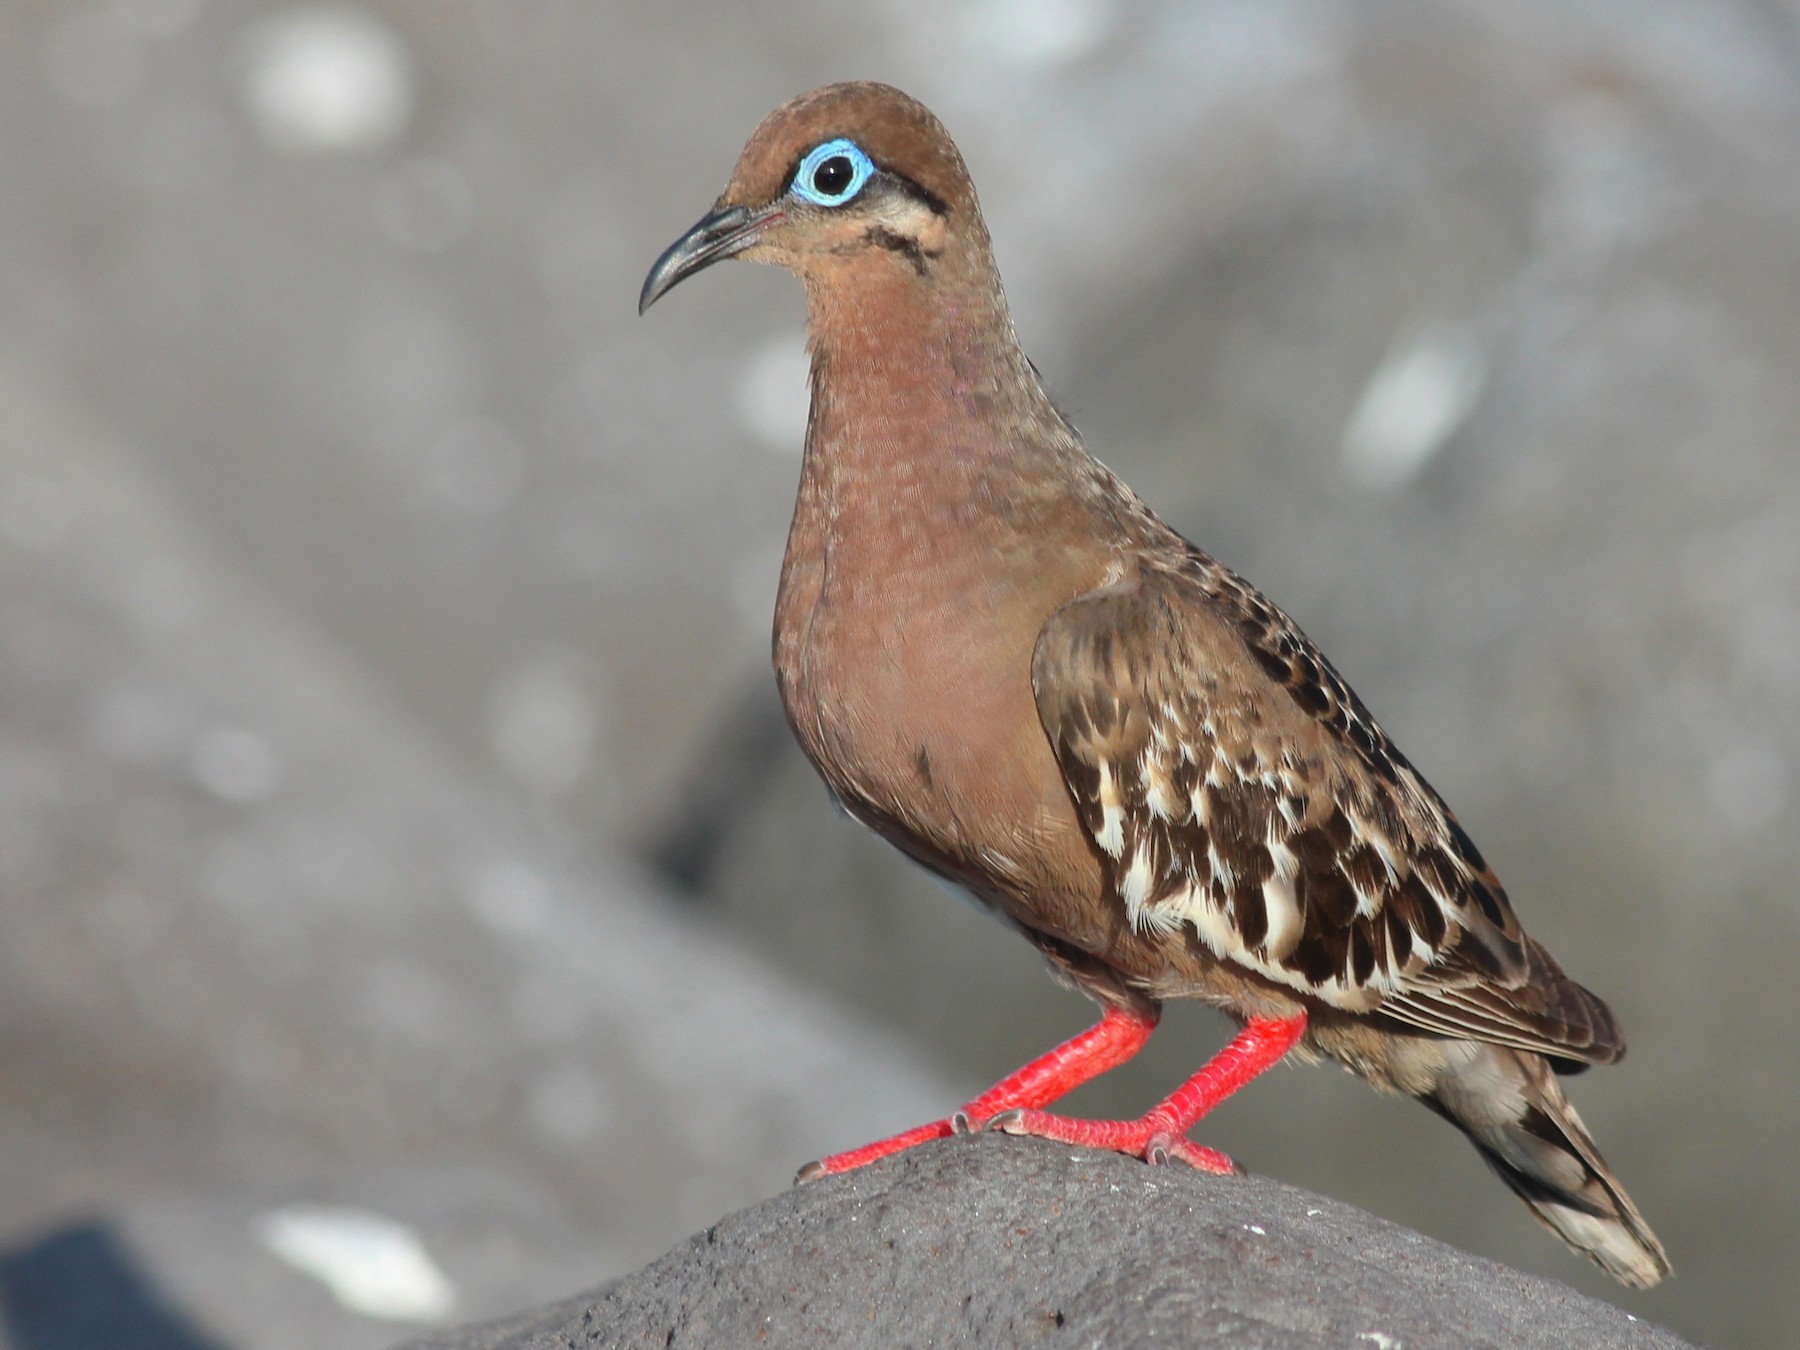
(1158, 1134)
(1116, 1038)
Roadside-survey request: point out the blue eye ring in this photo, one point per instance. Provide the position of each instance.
(821, 181)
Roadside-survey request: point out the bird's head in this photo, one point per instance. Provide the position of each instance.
(844, 179)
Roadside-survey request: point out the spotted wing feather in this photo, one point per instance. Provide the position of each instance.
(1233, 782)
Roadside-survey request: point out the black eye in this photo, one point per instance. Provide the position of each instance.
(833, 176)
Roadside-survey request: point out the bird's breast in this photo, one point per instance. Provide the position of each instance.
(906, 674)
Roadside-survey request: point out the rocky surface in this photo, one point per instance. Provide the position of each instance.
(983, 1241)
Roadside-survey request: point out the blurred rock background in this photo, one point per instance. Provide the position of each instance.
(402, 863)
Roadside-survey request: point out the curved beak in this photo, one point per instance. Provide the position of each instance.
(728, 230)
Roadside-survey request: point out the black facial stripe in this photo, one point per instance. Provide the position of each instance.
(904, 245)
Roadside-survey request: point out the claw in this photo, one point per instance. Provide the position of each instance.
(1162, 1148)
(1007, 1122)
(811, 1172)
(961, 1124)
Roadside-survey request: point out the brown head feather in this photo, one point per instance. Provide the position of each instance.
(899, 133)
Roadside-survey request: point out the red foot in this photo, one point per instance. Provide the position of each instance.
(1118, 1036)
(1012, 1105)
(861, 1157)
(1157, 1135)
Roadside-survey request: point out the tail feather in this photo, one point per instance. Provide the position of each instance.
(1510, 1105)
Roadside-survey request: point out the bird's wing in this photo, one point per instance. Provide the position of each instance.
(1233, 782)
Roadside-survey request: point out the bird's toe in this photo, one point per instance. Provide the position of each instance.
(1165, 1148)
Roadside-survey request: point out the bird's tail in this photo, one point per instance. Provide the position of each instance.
(1513, 1110)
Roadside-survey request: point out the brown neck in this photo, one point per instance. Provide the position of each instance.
(921, 397)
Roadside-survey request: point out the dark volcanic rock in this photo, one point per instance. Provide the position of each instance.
(1013, 1242)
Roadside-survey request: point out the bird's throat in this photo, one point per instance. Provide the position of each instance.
(922, 402)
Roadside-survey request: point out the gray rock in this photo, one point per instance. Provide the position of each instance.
(985, 1241)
